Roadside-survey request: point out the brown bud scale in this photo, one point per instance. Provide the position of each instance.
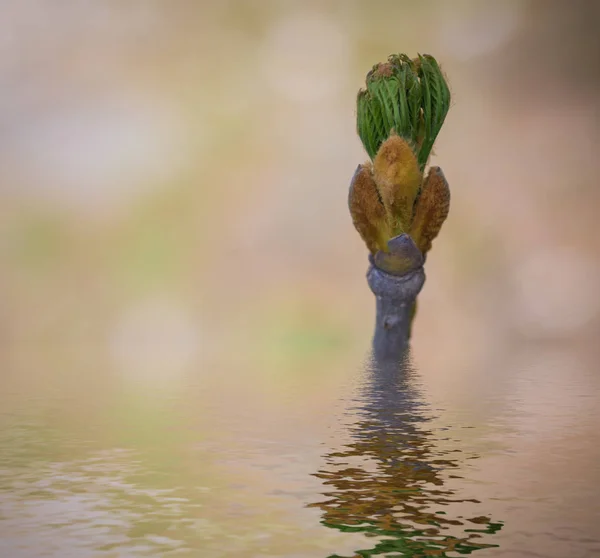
(431, 209)
(367, 210)
(398, 178)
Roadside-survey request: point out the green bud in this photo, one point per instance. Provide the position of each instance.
(408, 96)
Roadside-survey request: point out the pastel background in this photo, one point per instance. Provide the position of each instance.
(176, 253)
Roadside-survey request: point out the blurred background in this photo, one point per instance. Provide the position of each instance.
(175, 171)
(173, 201)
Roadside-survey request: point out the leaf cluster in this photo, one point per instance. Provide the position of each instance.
(407, 96)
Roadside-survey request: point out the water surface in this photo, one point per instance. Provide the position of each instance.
(372, 460)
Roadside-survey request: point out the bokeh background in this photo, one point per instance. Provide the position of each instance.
(178, 172)
(173, 200)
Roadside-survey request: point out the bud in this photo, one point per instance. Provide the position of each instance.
(399, 116)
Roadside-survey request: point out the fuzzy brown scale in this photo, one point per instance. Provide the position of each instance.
(367, 210)
(398, 178)
(431, 210)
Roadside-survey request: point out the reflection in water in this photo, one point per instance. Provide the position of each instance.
(388, 482)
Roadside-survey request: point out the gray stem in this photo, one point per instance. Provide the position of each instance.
(395, 295)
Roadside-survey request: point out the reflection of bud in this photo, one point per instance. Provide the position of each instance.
(408, 96)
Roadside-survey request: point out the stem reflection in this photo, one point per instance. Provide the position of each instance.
(388, 482)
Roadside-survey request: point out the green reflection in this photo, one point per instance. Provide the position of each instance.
(388, 482)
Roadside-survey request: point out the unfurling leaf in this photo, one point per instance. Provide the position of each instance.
(408, 96)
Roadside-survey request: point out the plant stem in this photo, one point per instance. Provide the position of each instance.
(395, 296)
